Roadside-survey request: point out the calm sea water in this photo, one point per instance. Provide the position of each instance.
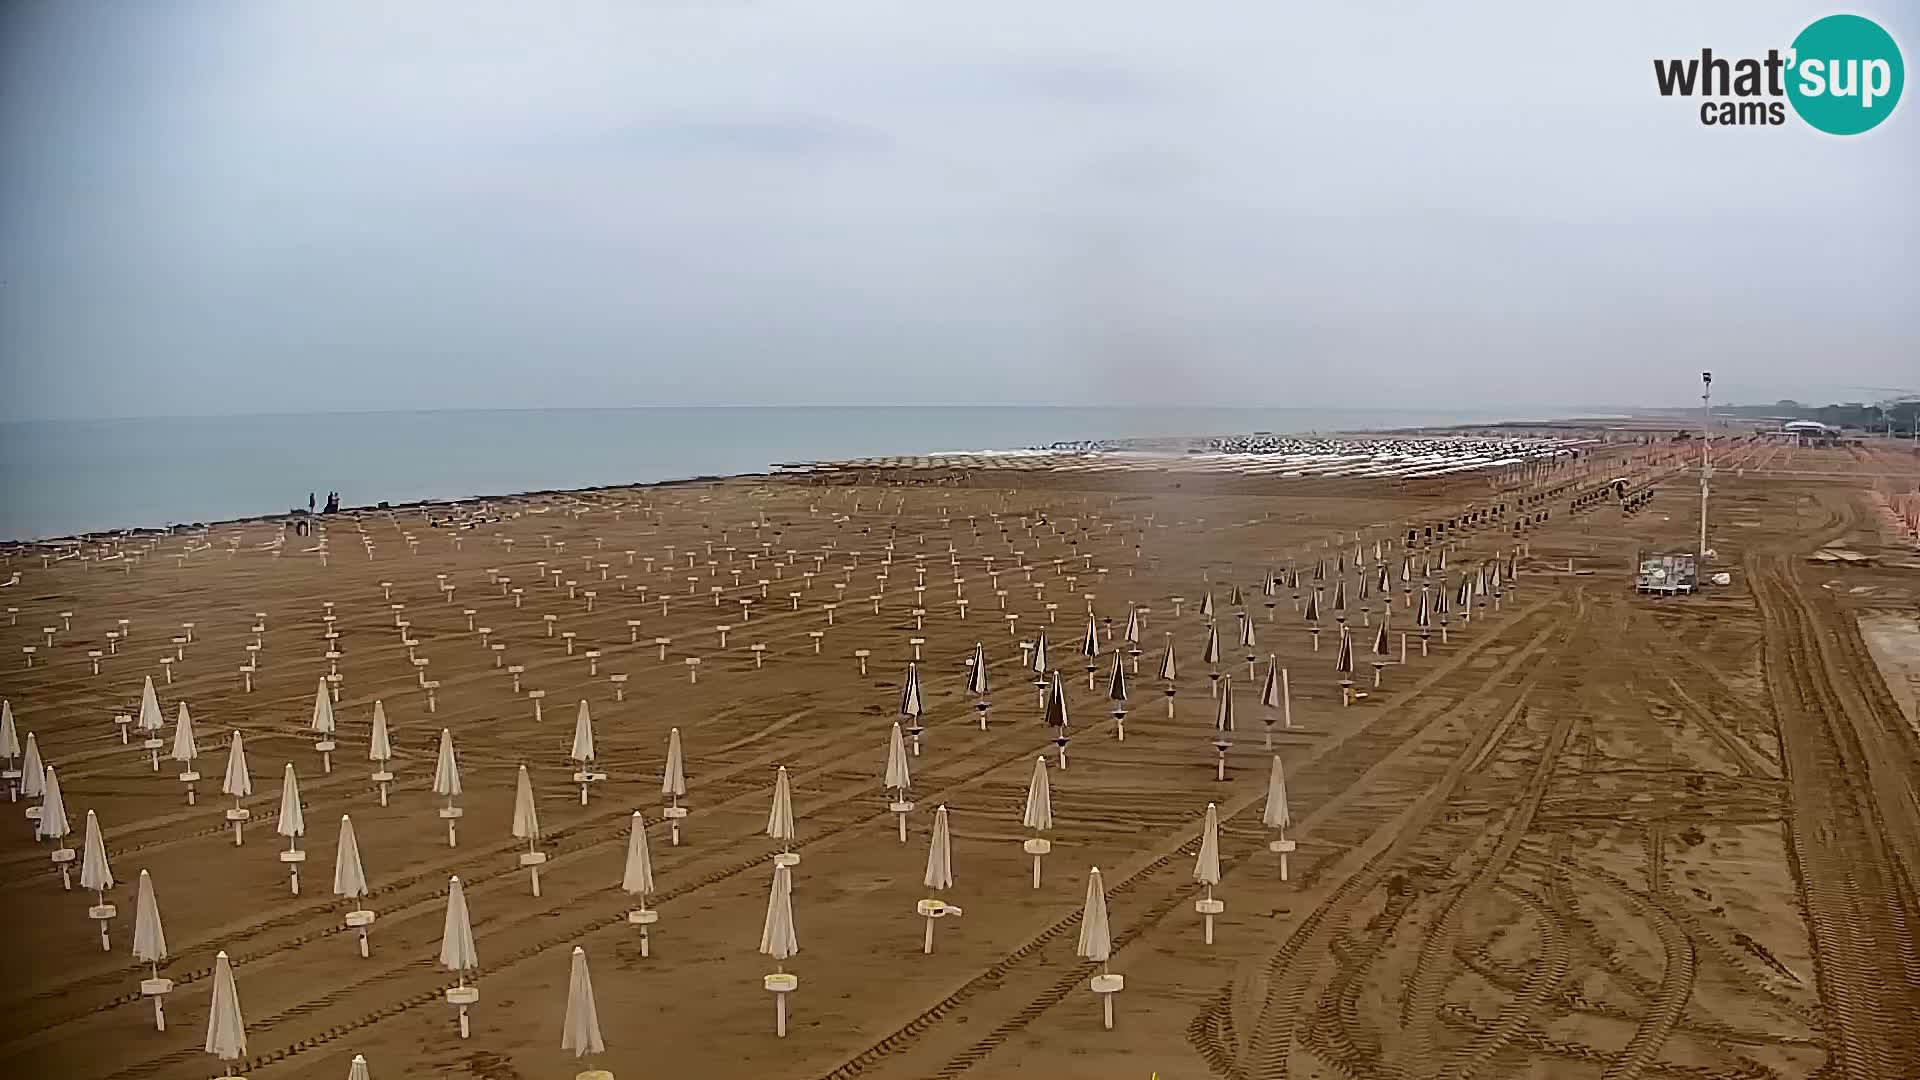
(58, 478)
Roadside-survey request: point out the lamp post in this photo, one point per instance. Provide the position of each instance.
(1706, 471)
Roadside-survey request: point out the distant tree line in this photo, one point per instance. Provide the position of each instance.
(1900, 416)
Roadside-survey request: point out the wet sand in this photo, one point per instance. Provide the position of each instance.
(1591, 834)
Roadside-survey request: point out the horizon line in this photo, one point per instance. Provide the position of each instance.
(821, 406)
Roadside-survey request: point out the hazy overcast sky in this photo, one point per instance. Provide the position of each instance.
(265, 206)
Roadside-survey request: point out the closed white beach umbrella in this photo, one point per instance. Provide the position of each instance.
(322, 722)
(184, 750)
(1039, 812)
(526, 816)
(582, 751)
(95, 875)
(380, 742)
(9, 749)
(1276, 816)
(939, 873)
(237, 782)
(638, 881)
(1039, 659)
(899, 777)
(33, 772)
(582, 735)
(446, 783)
(778, 937)
(526, 826)
(1096, 943)
(780, 940)
(149, 937)
(446, 768)
(153, 722)
(291, 824)
(151, 719)
(939, 876)
(1096, 938)
(350, 881)
(380, 750)
(780, 814)
(457, 953)
(582, 1026)
(9, 734)
(323, 725)
(53, 809)
(673, 779)
(358, 1070)
(349, 874)
(673, 784)
(150, 948)
(226, 1029)
(1206, 868)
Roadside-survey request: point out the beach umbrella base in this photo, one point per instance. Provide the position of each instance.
(1208, 908)
(238, 816)
(1282, 848)
(63, 858)
(382, 778)
(451, 815)
(900, 810)
(780, 985)
(931, 909)
(644, 918)
(460, 997)
(586, 778)
(157, 989)
(674, 815)
(1037, 847)
(360, 920)
(103, 914)
(788, 859)
(533, 861)
(152, 747)
(293, 859)
(326, 755)
(190, 778)
(1107, 985)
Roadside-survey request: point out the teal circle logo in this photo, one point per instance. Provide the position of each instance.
(1845, 75)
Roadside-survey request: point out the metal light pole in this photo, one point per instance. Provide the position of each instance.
(1706, 471)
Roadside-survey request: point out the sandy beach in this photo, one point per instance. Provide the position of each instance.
(1588, 834)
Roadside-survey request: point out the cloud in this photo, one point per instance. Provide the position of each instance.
(750, 134)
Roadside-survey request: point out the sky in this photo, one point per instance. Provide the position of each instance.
(267, 206)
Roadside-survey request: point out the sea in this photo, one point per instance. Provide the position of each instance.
(65, 477)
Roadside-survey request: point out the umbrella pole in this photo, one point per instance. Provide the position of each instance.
(1209, 915)
(926, 946)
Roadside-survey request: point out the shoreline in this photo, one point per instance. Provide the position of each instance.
(787, 469)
